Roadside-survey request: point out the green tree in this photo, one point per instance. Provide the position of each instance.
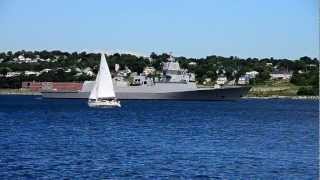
(4, 71)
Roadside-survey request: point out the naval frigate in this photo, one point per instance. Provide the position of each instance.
(174, 83)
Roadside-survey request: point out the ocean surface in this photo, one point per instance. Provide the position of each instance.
(246, 139)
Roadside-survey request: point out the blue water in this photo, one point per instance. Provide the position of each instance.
(247, 139)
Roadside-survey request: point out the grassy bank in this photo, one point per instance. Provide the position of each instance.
(274, 88)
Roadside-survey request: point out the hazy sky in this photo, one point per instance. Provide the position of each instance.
(244, 28)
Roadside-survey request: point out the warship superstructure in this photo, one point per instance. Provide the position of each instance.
(173, 83)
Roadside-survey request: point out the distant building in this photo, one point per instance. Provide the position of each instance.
(208, 80)
(41, 60)
(281, 75)
(68, 70)
(116, 67)
(312, 65)
(192, 63)
(29, 73)
(243, 80)
(222, 80)
(234, 72)
(252, 74)
(44, 71)
(13, 74)
(78, 74)
(221, 71)
(21, 58)
(149, 70)
(78, 69)
(88, 71)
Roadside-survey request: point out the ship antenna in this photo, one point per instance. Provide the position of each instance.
(170, 56)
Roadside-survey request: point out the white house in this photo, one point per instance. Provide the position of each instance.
(149, 70)
(78, 74)
(88, 71)
(222, 71)
(13, 74)
(44, 71)
(68, 70)
(243, 80)
(221, 80)
(284, 76)
(28, 73)
(207, 80)
(252, 74)
(21, 58)
(116, 67)
(78, 69)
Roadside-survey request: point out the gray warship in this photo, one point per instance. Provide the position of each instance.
(174, 83)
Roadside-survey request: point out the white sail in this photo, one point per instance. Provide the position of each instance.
(103, 87)
(93, 92)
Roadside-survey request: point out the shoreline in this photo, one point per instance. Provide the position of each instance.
(284, 97)
(18, 92)
(21, 93)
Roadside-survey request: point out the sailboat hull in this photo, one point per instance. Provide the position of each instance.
(103, 88)
(104, 104)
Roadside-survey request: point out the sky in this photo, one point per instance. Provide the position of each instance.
(243, 28)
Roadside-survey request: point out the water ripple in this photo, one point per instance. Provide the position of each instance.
(247, 139)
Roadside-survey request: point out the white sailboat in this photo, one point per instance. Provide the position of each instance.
(102, 94)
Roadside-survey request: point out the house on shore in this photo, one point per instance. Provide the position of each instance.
(243, 80)
(280, 75)
(222, 80)
(252, 74)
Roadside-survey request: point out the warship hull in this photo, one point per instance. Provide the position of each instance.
(228, 93)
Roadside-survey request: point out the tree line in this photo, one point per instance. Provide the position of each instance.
(305, 69)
